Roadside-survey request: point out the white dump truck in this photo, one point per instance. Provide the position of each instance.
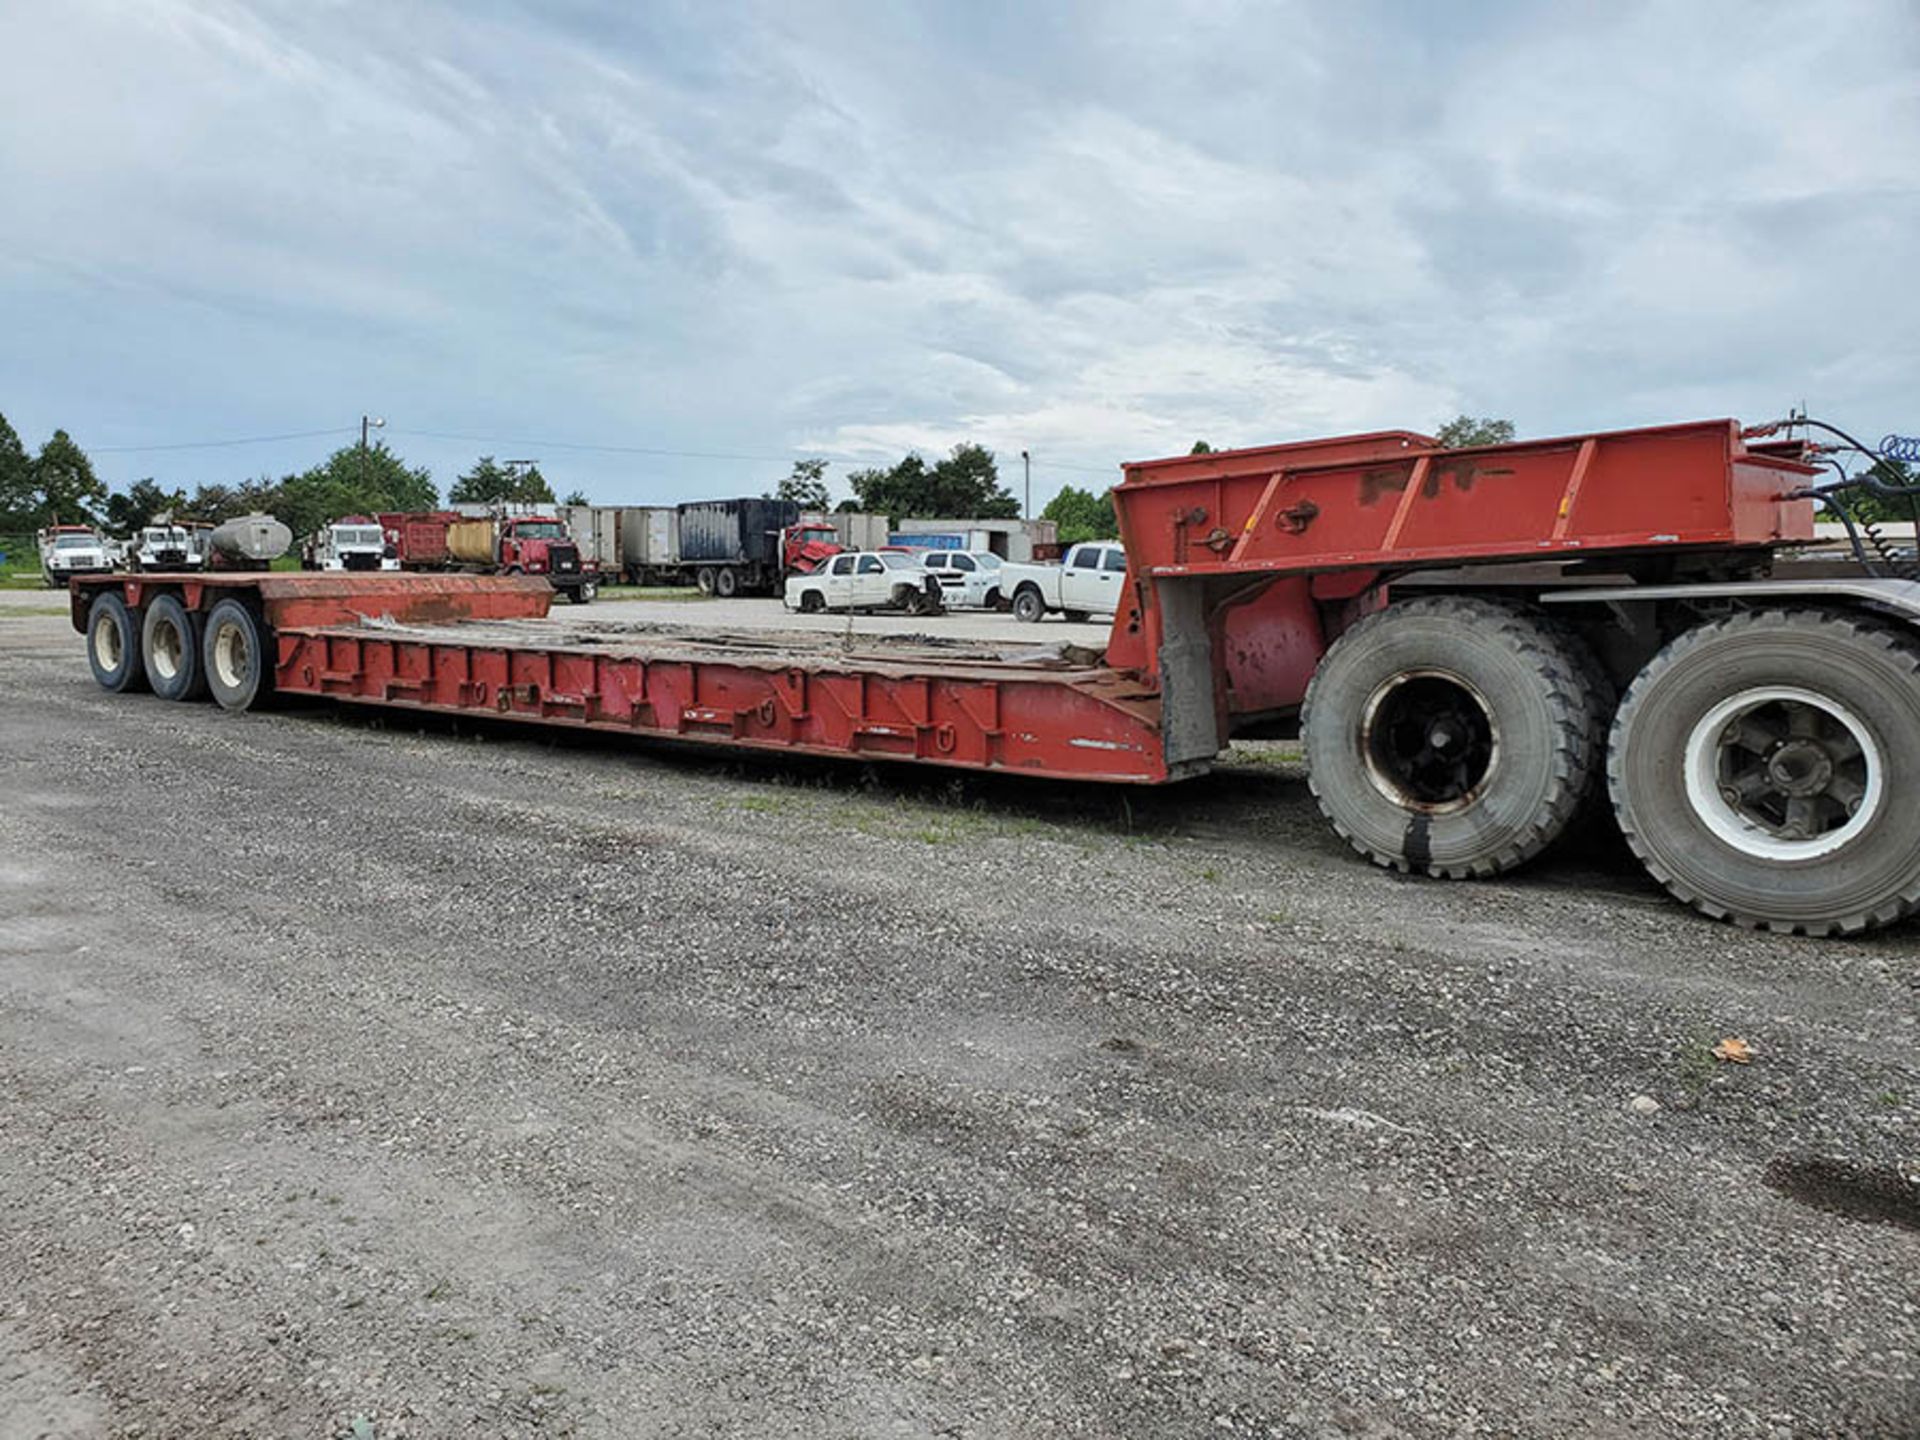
(353, 542)
(70, 550)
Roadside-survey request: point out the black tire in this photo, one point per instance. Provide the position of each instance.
(703, 578)
(993, 600)
(1763, 767)
(589, 591)
(812, 602)
(170, 648)
(1075, 617)
(726, 582)
(1452, 735)
(1028, 606)
(113, 645)
(237, 661)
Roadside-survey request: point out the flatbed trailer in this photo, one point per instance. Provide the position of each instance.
(1475, 644)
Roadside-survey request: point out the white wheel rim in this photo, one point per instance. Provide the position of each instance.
(1797, 790)
(166, 648)
(107, 646)
(230, 655)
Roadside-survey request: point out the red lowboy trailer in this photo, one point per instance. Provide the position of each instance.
(1475, 644)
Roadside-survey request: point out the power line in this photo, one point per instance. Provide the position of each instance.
(526, 443)
(217, 444)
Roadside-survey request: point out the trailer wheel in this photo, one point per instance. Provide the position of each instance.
(1452, 735)
(170, 647)
(726, 582)
(1763, 767)
(113, 645)
(1027, 605)
(234, 647)
(704, 579)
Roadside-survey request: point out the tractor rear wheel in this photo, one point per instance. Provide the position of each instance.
(1763, 766)
(1453, 735)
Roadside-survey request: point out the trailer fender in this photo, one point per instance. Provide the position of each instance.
(1899, 599)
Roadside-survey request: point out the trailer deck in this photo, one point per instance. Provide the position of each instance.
(484, 645)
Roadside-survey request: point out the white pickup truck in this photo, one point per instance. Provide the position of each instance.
(1090, 581)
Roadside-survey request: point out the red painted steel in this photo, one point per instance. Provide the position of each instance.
(1269, 553)
(1086, 723)
(1393, 501)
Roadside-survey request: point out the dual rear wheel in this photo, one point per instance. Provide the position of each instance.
(1751, 765)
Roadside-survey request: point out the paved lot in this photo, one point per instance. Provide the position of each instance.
(464, 1082)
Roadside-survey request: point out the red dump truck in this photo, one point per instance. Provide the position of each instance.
(1476, 645)
(492, 545)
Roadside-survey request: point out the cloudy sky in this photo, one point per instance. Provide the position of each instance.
(1093, 231)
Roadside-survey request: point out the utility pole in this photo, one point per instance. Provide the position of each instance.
(378, 422)
(1026, 463)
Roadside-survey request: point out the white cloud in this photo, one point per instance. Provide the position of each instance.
(1095, 232)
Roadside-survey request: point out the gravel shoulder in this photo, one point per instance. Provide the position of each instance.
(462, 1080)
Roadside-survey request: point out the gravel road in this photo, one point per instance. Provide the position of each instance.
(372, 1078)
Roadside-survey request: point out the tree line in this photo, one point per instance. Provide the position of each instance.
(57, 485)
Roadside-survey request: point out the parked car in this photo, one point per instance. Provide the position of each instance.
(968, 579)
(1090, 581)
(867, 580)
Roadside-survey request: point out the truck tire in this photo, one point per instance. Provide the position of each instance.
(113, 645)
(170, 648)
(1763, 768)
(812, 602)
(234, 646)
(588, 592)
(726, 582)
(1452, 735)
(704, 579)
(1027, 605)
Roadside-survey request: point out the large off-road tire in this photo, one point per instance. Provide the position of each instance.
(1453, 735)
(236, 648)
(1764, 769)
(726, 582)
(1028, 606)
(113, 645)
(170, 648)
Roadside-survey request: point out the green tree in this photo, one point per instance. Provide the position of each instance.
(351, 481)
(1463, 432)
(806, 486)
(65, 488)
(576, 496)
(17, 499)
(491, 483)
(136, 506)
(214, 503)
(1082, 515)
(1865, 507)
(1201, 447)
(964, 486)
